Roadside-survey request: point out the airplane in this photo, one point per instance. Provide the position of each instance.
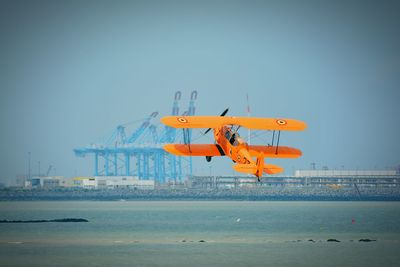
(248, 158)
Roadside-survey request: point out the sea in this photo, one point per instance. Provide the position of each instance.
(201, 233)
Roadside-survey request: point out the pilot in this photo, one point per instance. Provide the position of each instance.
(233, 139)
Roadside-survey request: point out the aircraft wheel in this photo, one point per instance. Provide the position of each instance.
(208, 158)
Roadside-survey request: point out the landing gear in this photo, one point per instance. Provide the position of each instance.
(208, 158)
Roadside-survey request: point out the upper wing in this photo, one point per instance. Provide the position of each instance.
(218, 121)
(194, 121)
(194, 150)
(272, 152)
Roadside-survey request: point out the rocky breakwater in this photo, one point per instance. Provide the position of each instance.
(45, 221)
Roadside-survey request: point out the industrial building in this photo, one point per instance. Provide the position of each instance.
(96, 182)
(363, 178)
(46, 182)
(313, 178)
(113, 182)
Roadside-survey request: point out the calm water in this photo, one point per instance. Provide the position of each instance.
(168, 234)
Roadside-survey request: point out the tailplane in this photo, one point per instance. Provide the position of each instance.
(272, 169)
(245, 168)
(259, 168)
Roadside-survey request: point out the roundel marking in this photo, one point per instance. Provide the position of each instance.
(182, 120)
(281, 122)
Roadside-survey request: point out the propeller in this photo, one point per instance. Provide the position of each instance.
(222, 114)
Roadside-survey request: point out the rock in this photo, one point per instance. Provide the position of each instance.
(202, 241)
(366, 240)
(44, 221)
(311, 240)
(70, 220)
(332, 240)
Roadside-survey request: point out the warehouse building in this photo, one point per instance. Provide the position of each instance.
(316, 178)
(113, 182)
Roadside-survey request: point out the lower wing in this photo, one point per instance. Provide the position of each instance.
(194, 150)
(274, 152)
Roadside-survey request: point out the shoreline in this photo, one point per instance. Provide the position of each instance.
(281, 194)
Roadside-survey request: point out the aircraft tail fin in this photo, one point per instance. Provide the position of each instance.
(260, 166)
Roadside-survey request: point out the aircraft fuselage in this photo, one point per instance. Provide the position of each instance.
(232, 145)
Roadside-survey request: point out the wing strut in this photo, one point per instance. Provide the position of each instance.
(277, 143)
(273, 137)
(186, 138)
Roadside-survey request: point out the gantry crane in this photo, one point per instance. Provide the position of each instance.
(141, 154)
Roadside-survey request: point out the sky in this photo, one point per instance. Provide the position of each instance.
(71, 71)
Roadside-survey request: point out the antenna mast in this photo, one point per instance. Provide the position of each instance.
(248, 115)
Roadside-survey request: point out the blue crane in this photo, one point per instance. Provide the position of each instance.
(136, 134)
(169, 133)
(141, 154)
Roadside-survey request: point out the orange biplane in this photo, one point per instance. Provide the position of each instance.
(248, 158)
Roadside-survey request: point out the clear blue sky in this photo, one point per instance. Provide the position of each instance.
(70, 71)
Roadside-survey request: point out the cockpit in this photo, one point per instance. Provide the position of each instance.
(232, 137)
